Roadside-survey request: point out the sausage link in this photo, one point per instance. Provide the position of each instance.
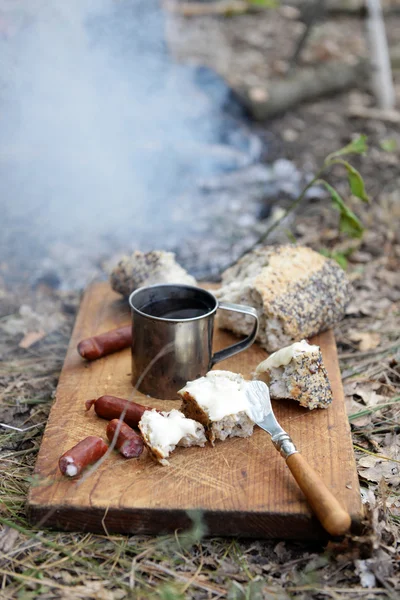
(83, 454)
(111, 407)
(129, 443)
(106, 343)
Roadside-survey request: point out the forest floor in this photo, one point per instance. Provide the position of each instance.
(36, 323)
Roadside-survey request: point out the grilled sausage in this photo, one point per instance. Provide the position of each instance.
(129, 443)
(86, 452)
(106, 343)
(111, 407)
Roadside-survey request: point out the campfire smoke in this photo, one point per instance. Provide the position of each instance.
(107, 145)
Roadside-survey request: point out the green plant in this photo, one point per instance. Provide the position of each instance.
(388, 145)
(264, 3)
(349, 223)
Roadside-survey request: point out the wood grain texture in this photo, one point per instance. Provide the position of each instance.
(242, 486)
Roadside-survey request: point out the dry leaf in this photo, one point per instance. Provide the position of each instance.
(92, 589)
(373, 468)
(366, 341)
(353, 407)
(8, 538)
(365, 391)
(367, 579)
(31, 338)
(364, 304)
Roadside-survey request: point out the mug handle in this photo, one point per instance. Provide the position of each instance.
(243, 344)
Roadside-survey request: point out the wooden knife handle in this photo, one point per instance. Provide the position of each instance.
(326, 507)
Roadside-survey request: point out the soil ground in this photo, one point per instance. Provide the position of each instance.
(36, 323)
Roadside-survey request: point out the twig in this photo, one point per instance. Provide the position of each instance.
(314, 12)
(376, 455)
(381, 70)
(368, 411)
(369, 352)
(219, 8)
(322, 590)
(278, 222)
(21, 430)
(203, 586)
(362, 112)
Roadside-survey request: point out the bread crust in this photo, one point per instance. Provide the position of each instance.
(303, 379)
(297, 293)
(147, 268)
(235, 425)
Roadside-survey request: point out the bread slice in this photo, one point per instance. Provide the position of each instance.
(219, 402)
(297, 293)
(148, 268)
(297, 372)
(163, 431)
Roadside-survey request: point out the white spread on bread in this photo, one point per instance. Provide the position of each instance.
(167, 429)
(163, 431)
(297, 372)
(219, 394)
(282, 357)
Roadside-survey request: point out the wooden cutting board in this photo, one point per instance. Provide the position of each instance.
(241, 486)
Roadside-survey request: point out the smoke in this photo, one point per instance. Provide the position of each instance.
(99, 131)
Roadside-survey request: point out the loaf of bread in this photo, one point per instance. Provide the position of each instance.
(163, 431)
(297, 293)
(297, 372)
(219, 402)
(148, 268)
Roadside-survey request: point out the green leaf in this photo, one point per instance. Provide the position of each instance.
(290, 236)
(265, 3)
(252, 591)
(169, 591)
(196, 532)
(340, 259)
(357, 146)
(356, 182)
(388, 145)
(348, 222)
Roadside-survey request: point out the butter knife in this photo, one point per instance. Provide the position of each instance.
(332, 516)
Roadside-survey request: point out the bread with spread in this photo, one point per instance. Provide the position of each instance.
(297, 372)
(163, 431)
(220, 403)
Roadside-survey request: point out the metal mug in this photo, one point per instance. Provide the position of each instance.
(167, 352)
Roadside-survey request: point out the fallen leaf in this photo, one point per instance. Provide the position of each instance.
(366, 391)
(8, 538)
(281, 551)
(31, 338)
(352, 408)
(366, 341)
(364, 304)
(354, 391)
(367, 579)
(373, 467)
